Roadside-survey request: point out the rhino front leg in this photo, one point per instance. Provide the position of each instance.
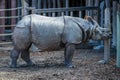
(69, 51)
(14, 56)
(25, 55)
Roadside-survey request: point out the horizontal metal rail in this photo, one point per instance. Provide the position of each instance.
(5, 48)
(10, 9)
(65, 9)
(10, 17)
(6, 34)
(5, 43)
(7, 25)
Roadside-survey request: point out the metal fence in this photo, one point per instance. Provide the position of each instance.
(6, 36)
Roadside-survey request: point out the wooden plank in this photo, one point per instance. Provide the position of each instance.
(118, 40)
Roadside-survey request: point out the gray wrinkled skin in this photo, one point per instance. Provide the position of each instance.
(48, 33)
(45, 32)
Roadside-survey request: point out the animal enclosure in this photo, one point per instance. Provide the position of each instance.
(49, 64)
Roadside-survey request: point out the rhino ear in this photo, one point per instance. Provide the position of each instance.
(90, 19)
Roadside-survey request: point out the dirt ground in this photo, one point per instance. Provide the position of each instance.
(49, 66)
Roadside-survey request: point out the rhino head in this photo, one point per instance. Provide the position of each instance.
(98, 33)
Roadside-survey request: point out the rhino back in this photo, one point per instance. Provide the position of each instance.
(46, 32)
(72, 32)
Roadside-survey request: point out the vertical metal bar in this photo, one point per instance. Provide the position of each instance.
(38, 4)
(67, 5)
(107, 3)
(71, 13)
(118, 40)
(114, 23)
(24, 10)
(53, 13)
(33, 3)
(2, 21)
(19, 10)
(59, 5)
(49, 6)
(80, 14)
(44, 6)
(13, 13)
(62, 13)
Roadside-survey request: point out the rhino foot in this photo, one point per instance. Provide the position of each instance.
(69, 65)
(27, 65)
(30, 64)
(102, 62)
(13, 66)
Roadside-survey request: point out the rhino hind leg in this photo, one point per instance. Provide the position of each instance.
(25, 55)
(14, 56)
(69, 51)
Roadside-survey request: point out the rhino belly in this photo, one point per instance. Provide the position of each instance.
(47, 38)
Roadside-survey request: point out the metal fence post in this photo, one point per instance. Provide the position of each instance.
(118, 40)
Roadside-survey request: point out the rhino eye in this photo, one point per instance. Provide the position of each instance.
(103, 31)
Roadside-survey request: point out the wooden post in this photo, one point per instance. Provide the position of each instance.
(106, 42)
(107, 25)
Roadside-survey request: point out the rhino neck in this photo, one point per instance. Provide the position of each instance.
(85, 28)
(89, 33)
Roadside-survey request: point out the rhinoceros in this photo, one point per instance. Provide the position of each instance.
(53, 33)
